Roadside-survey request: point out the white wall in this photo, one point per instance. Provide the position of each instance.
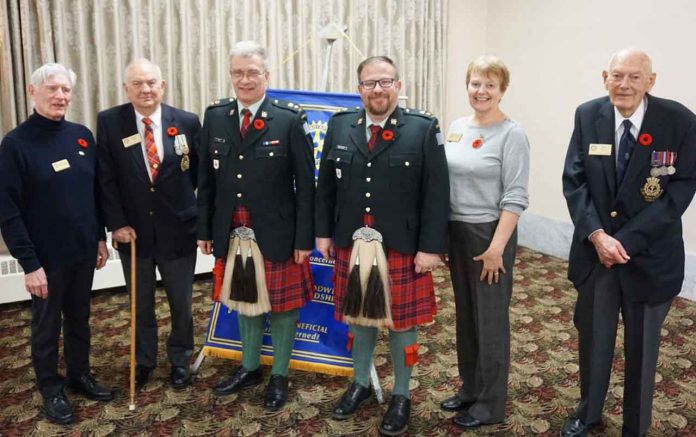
(556, 51)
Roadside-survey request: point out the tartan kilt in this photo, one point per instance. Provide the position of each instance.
(289, 285)
(412, 294)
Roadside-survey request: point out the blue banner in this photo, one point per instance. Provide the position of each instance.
(320, 340)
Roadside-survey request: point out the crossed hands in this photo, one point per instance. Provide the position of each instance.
(609, 250)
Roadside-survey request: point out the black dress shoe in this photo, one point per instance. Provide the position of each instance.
(574, 427)
(355, 396)
(180, 377)
(142, 376)
(58, 409)
(455, 403)
(239, 379)
(466, 420)
(395, 420)
(276, 392)
(88, 386)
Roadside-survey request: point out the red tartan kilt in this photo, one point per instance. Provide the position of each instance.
(289, 285)
(412, 294)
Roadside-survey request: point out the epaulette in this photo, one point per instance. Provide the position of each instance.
(221, 102)
(419, 112)
(284, 104)
(349, 110)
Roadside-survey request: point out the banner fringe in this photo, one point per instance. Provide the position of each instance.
(306, 366)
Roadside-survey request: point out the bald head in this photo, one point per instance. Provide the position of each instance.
(632, 55)
(628, 79)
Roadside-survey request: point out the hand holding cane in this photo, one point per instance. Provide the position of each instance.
(131, 407)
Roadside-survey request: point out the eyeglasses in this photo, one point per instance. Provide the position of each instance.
(386, 82)
(251, 74)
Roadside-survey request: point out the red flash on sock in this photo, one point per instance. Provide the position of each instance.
(349, 342)
(218, 274)
(411, 355)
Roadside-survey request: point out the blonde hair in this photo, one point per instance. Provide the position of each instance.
(489, 65)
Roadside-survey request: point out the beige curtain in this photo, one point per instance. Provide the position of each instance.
(190, 40)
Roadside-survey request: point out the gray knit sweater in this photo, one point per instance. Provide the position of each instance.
(490, 178)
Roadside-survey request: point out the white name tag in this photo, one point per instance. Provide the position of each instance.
(600, 149)
(131, 140)
(61, 165)
(454, 137)
(440, 139)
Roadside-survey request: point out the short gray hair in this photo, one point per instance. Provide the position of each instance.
(145, 62)
(247, 49)
(44, 72)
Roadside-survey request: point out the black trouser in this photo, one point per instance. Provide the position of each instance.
(483, 322)
(596, 318)
(67, 302)
(177, 276)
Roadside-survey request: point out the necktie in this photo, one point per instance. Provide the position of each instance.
(626, 145)
(374, 135)
(246, 121)
(153, 160)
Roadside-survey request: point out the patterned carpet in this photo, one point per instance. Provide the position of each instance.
(543, 381)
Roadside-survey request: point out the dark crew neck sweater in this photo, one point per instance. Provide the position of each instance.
(48, 214)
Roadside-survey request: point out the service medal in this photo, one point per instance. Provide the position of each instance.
(652, 190)
(671, 170)
(185, 163)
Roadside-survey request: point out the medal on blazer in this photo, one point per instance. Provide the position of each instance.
(182, 149)
(652, 190)
(662, 163)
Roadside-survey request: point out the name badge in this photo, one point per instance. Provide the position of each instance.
(131, 140)
(454, 137)
(600, 149)
(61, 165)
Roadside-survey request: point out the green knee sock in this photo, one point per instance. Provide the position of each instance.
(364, 340)
(251, 333)
(283, 327)
(402, 374)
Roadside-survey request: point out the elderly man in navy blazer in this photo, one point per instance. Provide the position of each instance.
(630, 173)
(147, 174)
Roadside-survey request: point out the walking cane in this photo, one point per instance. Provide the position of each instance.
(131, 407)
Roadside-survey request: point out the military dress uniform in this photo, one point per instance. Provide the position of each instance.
(264, 181)
(401, 189)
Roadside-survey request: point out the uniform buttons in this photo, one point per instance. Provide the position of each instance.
(239, 175)
(270, 153)
(368, 179)
(613, 214)
(407, 163)
(215, 151)
(152, 189)
(369, 164)
(338, 159)
(367, 209)
(241, 157)
(367, 194)
(152, 213)
(239, 195)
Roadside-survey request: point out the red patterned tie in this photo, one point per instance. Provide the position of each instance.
(374, 136)
(153, 160)
(245, 122)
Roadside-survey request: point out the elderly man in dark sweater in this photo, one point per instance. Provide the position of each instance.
(48, 219)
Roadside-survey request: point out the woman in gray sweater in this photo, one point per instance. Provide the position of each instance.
(488, 160)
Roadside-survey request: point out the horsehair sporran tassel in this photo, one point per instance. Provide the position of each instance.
(353, 300)
(375, 305)
(251, 294)
(237, 287)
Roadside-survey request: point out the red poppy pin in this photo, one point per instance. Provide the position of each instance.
(478, 142)
(82, 143)
(645, 139)
(172, 131)
(387, 135)
(259, 124)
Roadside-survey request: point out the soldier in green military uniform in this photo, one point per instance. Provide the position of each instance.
(383, 171)
(257, 172)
